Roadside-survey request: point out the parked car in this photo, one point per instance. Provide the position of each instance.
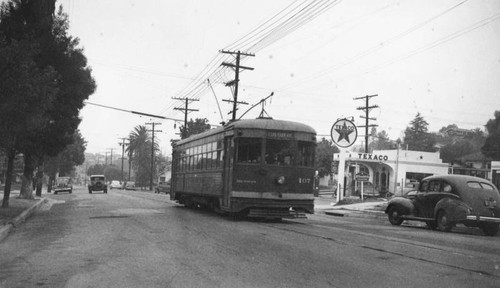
(163, 186)
(130, 185)
(98, 183)
(115, 184)
(63, 184)
(444, 201)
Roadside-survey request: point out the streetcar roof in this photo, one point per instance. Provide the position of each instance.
(259, 123)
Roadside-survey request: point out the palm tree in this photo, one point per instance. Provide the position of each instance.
(139, 151)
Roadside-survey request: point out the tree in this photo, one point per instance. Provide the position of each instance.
(456, 143)
(197, 126)
(417, 137)
(324, 156)
(96, 169)
(381, 142)
(139, 150)
(26, 92)
(57, 51)
(491, 147)
(66, 161)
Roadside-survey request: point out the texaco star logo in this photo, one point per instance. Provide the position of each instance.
(344, 133)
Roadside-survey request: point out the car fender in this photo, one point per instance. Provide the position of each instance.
(456, 209)
(405, 206)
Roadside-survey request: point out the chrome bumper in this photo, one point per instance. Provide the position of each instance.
(483, 218)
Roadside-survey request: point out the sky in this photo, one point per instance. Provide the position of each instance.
(437, 58)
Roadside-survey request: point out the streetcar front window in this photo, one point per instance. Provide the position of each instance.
(249, 150)
(280, 152)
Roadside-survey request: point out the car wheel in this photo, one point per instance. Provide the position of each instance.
(394, 216)
(90, 191)
(490, 229)
(443, 223)
(55, 193)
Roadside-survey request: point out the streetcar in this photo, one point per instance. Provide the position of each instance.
(253, 167)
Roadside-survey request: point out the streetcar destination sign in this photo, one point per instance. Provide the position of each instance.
(344, 133)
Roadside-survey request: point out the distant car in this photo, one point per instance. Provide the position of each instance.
(98, 183)
(130, 185)
(115, 184)
(444, 201)
(63, 184)
(163, 186)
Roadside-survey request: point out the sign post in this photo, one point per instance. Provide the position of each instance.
(344, 133)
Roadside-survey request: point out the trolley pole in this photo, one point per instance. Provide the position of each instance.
(152, 153)
(236, 80)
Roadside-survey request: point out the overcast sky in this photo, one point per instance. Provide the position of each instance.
(439, 58)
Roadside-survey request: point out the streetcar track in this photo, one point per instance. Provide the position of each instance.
(392, 239)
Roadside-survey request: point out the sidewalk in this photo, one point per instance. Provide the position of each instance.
(326, 204)
(19, 210)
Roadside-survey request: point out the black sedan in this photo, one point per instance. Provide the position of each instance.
(447, 200)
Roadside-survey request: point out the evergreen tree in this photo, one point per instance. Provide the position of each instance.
(491, 147)
(417, 137)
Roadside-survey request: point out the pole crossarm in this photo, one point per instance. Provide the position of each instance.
(236, 67)
(367, 109)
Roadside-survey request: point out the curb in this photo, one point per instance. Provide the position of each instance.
(356, 214)
(7, 228)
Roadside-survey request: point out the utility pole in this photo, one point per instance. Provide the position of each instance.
(186, 111)
(153, 152)
(123, 153)
(367, 109)
(236, 80)
(111, 162)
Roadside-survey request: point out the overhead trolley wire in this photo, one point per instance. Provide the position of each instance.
(259, 38)
(376, 47)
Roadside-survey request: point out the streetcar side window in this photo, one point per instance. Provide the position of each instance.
(249, 150)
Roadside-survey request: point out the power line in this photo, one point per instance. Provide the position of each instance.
(133, 112)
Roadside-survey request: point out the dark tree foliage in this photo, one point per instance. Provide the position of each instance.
(97, 169)
(417, 137)
(324, 156)
(455, 145)
(34, 20)
(197, 126)
(491, 147)
(381, 141)
(66, 161)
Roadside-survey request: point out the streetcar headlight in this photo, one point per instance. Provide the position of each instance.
(280, 180)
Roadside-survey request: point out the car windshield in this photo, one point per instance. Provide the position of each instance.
(97, 179)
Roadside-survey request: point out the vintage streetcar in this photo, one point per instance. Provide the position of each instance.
(253, 167)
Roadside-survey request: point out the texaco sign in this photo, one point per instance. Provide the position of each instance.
(344, 133)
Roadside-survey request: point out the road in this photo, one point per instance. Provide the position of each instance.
(141, 239)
